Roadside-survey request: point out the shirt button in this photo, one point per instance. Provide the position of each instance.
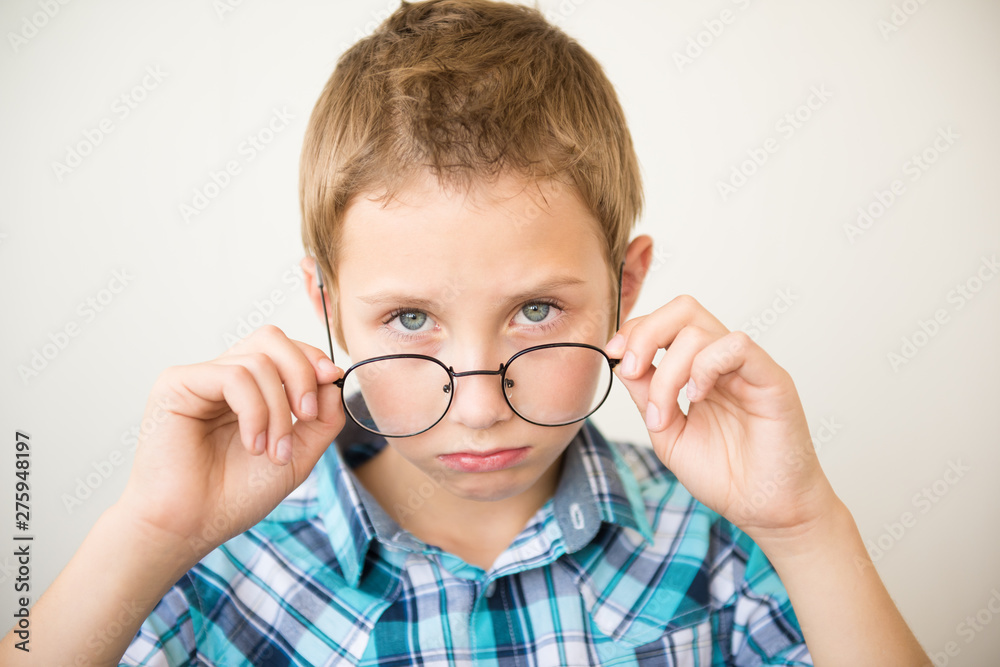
(491, 588)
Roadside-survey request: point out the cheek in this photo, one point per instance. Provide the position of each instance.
(402, 396)
(558, 385)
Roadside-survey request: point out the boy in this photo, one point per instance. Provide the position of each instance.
(468, 187)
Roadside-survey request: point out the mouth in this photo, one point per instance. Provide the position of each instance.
(497, 459)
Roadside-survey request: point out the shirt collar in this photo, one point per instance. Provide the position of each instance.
(595, 487)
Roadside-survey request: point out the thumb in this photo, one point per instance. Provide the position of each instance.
(667, 433)
(638, 388)
(311, 438)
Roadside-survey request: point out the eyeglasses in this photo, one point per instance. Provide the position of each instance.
(554, 384)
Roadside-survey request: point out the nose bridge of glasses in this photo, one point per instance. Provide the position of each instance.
(500, 371)
(478, 404)
(455, 374)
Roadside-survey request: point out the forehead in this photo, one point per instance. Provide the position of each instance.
(509, 230)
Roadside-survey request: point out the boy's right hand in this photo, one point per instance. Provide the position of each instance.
(222, 450)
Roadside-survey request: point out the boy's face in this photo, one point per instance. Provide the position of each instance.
(471, 279)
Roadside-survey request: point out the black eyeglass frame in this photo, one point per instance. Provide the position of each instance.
(452, 374)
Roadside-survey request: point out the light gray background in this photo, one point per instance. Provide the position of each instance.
(891, 431)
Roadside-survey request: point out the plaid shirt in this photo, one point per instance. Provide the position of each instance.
(621, 567)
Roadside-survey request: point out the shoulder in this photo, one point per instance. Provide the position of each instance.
(643, 464)
(683, 527)
(302, 504)
(698, 573)
(658, 487)
(291, 540)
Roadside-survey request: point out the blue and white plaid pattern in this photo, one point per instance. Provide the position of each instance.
(621, 567)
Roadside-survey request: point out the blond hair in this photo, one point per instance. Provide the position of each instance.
(470, 90)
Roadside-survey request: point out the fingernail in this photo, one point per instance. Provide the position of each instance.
(258, 444)
(309, 406)
(284, 450)
(628, 364)
(652, 416)
(615, 345)
(692, 390)
(327, 366)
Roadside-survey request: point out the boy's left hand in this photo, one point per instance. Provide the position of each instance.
(744, 447)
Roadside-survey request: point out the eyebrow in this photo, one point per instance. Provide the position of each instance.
(388, 296)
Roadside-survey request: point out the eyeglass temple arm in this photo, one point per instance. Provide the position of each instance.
(326, 319)
(618, 313)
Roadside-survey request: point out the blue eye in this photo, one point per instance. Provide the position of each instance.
(536, 312)
(412, 319)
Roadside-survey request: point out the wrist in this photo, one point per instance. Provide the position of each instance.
(830, 530)
(165, 554)
(836, 593)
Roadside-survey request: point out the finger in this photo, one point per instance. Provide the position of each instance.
(207, 390)
(730, 359)
(326, 371)
(672, 374)
(638, 388)
(664, 439)
(616, 346)
(279, 417)
(313, 437)
(643, 338)
(298, 365)
(297, 372)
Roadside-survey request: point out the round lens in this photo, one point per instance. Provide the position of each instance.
(557, 385)
(401, 396)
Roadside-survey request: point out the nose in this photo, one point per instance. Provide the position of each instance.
(478, 402)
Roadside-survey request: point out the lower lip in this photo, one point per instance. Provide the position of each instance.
(466, 462)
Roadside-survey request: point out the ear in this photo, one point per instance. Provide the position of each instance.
(310, 269)
(638, 257)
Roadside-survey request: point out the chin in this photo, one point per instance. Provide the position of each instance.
(487, 487)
